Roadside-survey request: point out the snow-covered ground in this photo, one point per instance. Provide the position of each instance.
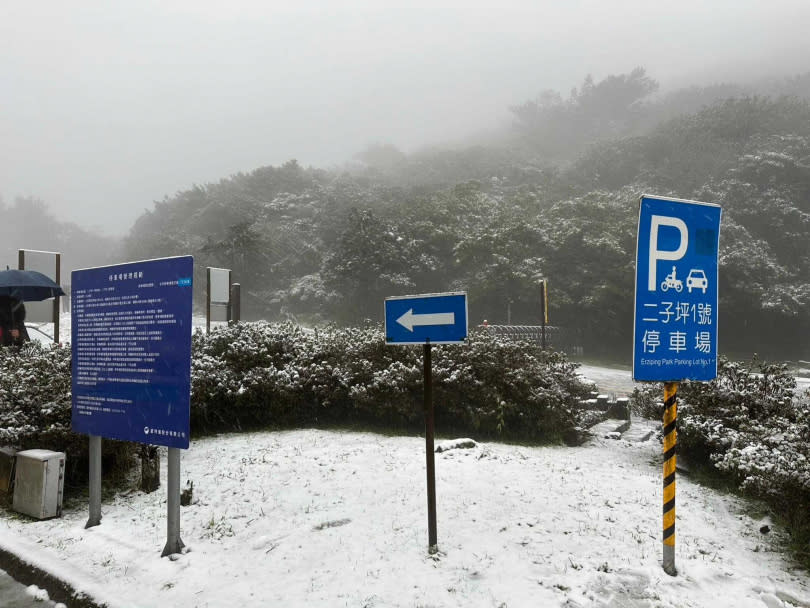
(319, 518)
(609, 380)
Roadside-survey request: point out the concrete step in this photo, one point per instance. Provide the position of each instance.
(641, 430)
(612, 428)
(636, 430)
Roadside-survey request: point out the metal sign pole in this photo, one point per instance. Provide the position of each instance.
(95, 481)
(429, 455)
(670, 447)
(58, 280)
(427, 319)
(173, 542)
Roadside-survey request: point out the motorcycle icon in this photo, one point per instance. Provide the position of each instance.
(671, 282)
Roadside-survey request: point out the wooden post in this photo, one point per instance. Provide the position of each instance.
(208, 301)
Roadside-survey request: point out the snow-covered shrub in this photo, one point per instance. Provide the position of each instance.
(35, 409)
(260, 374)
(750, 425)
(34, 392)
(747, 409)
(495, 386)
(281, 374)
(647, 401)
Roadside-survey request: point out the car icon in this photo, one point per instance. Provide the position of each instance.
(697, 280)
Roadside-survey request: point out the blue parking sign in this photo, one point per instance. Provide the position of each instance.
(675, 329)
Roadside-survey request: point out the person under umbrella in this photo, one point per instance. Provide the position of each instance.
(12, 322)
(17, 286)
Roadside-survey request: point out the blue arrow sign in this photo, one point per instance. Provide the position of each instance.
(675, 331)
(438, 318)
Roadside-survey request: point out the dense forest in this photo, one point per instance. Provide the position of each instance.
(555, 197)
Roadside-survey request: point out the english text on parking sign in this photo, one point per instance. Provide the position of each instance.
(131, 349)
(675, 331)
(438, 318)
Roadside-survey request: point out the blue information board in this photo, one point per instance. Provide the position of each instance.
(675, 331)
(131, 347)
(438, 318)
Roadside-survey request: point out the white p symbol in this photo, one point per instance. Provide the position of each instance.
(657, 254)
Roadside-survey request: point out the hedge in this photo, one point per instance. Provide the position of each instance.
(264, 375)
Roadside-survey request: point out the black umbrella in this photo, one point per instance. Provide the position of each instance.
(28, 285)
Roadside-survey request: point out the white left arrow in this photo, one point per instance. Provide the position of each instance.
(410, 320)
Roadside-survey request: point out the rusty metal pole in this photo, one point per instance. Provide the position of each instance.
(543, 311)
(429, 455)
(670, 448)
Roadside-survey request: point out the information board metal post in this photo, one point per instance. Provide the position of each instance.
(236, 303)
(670, 456)
(173, 542)
(94, 453)
(429, 450)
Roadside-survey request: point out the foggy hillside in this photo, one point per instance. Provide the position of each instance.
(555, 198)
(28, 223)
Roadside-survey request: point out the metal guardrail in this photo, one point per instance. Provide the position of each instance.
(558, 338)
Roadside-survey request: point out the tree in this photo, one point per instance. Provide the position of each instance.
(369, 263)
(610, 108)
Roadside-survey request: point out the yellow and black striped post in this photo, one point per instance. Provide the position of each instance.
(670, 445)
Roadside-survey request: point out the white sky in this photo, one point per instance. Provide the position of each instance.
(107, 106)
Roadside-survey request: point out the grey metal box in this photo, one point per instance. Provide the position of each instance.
(39, 482)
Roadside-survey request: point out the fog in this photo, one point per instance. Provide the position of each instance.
(106, 107)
